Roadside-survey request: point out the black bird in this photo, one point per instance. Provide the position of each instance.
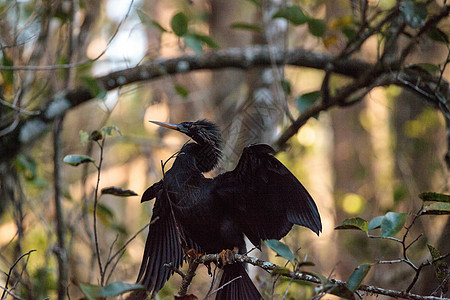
(260, 198)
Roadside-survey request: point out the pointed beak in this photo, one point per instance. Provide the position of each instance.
(168, 125)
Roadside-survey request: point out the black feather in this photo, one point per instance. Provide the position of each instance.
(260, 198)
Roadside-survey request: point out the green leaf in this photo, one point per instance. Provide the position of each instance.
(293, 14)
(120, 228)
(430, 68)
(354, 223)
(94, 87)
(375, 222)
(246, 26)
(108, 130)
(113, 289)
(104, 214)
(440, 266)
(414, 12)
(357, 276)
(158, 25)
(179, 24)
(181, 91)
(95, 136)
(306, 264)
(116, 191)
(338, 290)
(63, 72)
(105, 210)
(148, 22)
(317, 27)
(207, 40)
(75, 160)
(286, 85)
(84, 136)
(430, 196)
(257, 3)
(438, 35)
(281, 271)
(143, 17)
(349, 32)
(306, 100)
(280, 249)
(193, 43)
(392, 223)
(433, 251)
(27, 166)
(8, 75)
(437, 208)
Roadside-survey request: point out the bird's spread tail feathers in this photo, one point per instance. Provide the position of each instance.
(236, 284)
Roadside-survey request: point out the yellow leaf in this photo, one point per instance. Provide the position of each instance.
(330, 41)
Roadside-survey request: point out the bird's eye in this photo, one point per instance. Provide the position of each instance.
(186, 125)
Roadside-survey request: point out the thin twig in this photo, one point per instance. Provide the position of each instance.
(287, 288)
(134, 236)
(97, 248)
(444, 282)
(5, 290)
(224, 285)
(181, 240)
(389, 262)
(111, 249)
(384, 238)
(114, 265)
(415, 240)
(12, 268)
(76, 64)
(171, 267)
(122, 249)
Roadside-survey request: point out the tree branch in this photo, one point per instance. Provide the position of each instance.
(272, 269)
(31, 128)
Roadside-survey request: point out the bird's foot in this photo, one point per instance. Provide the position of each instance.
(193, 254)
(208, 266)
(226, 257)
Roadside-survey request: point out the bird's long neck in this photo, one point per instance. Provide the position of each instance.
(206, 155)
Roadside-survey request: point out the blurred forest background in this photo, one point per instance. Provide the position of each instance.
(353, 94)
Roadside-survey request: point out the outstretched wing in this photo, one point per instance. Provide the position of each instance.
(162, 245)
(267, 197)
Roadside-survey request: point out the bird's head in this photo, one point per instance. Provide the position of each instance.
(206, 134)
(201, 131)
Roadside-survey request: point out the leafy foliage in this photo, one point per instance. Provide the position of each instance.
(75, 160)
(280, 249)
(441, 268)
(93, 292)
(437, 197)
(293, 14)
(179, 24)
(414, 12)
(116, 191)
(357, 276)
(392, 223)
(306, 100)
(354, 223)
(246, 26)
(148, 22)
(94, 87)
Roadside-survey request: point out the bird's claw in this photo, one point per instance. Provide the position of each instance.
(193, 254)
(208, 266)
(226, 257)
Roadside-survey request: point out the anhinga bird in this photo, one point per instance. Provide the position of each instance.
(260, 199)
